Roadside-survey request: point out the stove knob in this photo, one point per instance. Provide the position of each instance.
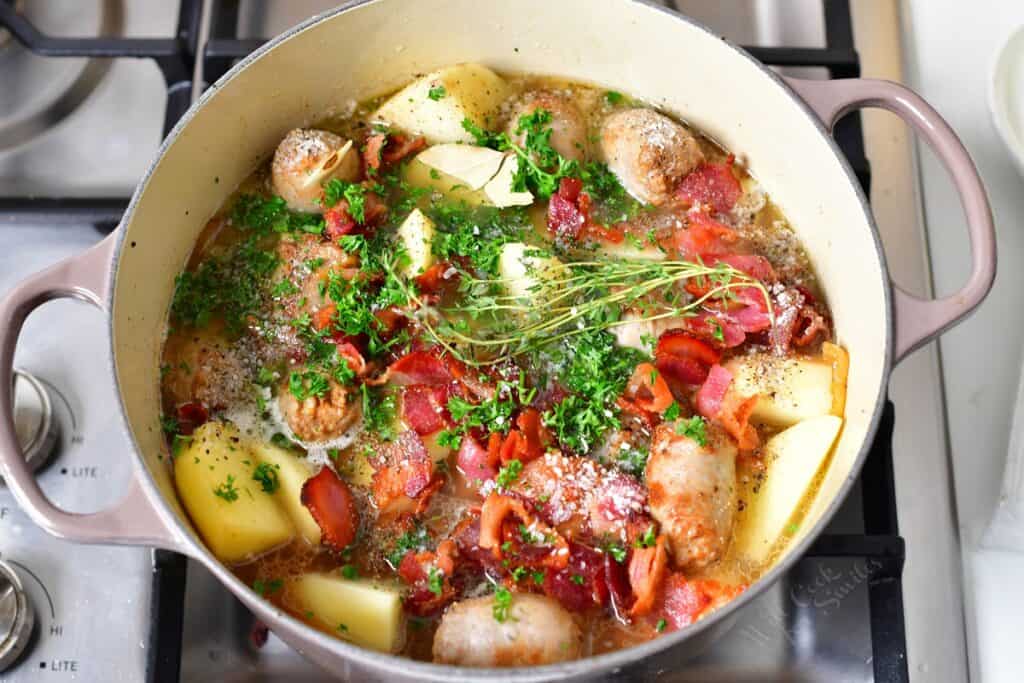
(33, 420)
(16, 617)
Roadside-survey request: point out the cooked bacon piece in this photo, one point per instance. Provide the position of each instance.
(754, 265)
(566, 217)
(715, 402)
(474, 462)
(581, 584)
(527, 442)
(437, 279)
(420, 367)
(620, 594)
(355, 361)
(684, 358)
(190, 416)
(404, 479)
(682, 602)
(569, 219)
(423, 408)
(338, 220)
(646, 571)
(735, 417)
(331, 504)
(716, 331)
(582, 498)
(416, 568)
(712, 184)
(704, 238)
(712, 392)
(648, 390)
(385, 149)
(496, 528)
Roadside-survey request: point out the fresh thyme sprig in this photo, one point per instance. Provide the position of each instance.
(579, 298)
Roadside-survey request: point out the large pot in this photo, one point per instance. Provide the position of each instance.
(780, 127)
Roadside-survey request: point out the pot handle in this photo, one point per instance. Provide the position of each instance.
(133, 520)
(918, 321)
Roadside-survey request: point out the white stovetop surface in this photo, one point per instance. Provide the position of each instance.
(951, 46)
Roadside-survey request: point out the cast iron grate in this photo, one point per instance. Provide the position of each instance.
(177, 57)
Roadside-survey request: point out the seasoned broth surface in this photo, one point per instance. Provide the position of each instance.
(499, 370)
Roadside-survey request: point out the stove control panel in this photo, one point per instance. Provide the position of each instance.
(69, 611)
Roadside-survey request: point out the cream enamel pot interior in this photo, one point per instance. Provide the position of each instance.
(362, 49)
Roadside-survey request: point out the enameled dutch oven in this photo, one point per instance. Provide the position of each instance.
(780, 127)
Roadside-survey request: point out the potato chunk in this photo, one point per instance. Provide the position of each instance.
(790, 389)
(523, 273)
(474, 166)
(368, 613)
(416, 234)
(214, 478)
(793, 458)
(435, 106)
(499, 190)
(292, 473)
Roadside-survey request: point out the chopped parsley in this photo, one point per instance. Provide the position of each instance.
(518, 573)
(227, 490)
(435, 581)
(232, 286)
(632, 460)
(540, 167)
(263, 216)
(695, 428)
(612, 204)
(179, 443)
(648, 539)
(266, 475)
(411, 540)
(596, 370)
(613, 98)
(169, 424)
(508, 474)
(355, 194)
(661, 626)
(303, 385)
(265, 588)
(672, 412)
(437, 92)
(379, 411)
(477, 234)
(577, 579)
(617, 551)
(502, 603)
(491, 415)
(349, 571)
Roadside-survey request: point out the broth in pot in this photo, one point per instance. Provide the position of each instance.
(499, 370)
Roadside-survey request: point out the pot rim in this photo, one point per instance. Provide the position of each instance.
(189, 544)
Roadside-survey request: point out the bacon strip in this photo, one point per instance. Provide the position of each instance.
(646, 572)
(496, 510)
(712, 184)
(383, 149)
(332, 506)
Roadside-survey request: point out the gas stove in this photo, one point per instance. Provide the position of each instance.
(97, 613)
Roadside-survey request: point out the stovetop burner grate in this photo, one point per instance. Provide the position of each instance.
(177, 58)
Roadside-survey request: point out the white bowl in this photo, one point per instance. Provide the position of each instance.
(1006, 96)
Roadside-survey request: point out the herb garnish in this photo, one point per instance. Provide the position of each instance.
(502, 603)
(437, 92)
(265, 588)
(416, 539)
(695, 428)
(266, 475)
(227, 490)
(508, 474)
